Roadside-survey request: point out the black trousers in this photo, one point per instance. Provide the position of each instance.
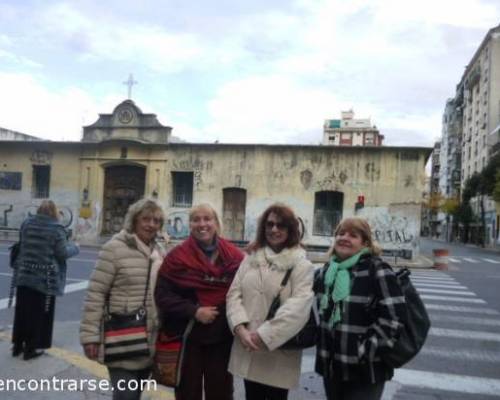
(205, 371)
(259, 391)
(345, 390)
(33, 319)
(126, 383)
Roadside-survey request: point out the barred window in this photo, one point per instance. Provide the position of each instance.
(327, 212)
(41, 181)
(182, 189)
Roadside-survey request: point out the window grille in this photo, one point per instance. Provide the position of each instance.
(41, 181)
(182, 189)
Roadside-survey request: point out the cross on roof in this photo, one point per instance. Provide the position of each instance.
(130, 82)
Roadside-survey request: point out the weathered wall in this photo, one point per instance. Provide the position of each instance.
(15, 205)
(391, 179)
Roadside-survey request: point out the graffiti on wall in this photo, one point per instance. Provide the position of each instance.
(177, 225)
(11, 180)
(394, 228)
(197, 166)
(87, 222)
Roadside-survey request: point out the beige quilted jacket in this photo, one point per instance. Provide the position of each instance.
(121, 270)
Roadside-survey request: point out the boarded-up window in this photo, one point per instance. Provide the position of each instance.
(233, 215)
(41, 181)
(327, 212)
(182, 189)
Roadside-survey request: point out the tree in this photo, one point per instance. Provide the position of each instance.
(496, 188)
(450, 205)
(435, 202)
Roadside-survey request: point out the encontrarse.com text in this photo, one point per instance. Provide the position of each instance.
(72, 385)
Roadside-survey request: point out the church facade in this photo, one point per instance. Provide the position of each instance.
(128, 154)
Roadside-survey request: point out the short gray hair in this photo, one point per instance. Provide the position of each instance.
(138, 207)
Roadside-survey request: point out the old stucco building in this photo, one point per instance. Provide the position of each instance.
(128, 154)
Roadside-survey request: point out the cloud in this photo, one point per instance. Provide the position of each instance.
(251, 72)
(56, 115)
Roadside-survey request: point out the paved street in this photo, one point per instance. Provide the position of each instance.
(461, 359)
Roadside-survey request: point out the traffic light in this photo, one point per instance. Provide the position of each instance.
(360, 203)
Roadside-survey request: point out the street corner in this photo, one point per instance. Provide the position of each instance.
(61, 373)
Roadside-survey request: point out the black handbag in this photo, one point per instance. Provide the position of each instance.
(14, 253)
(126, 335)
(308, 335)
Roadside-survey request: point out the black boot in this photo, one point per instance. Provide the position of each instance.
(17, 349)
(32, 353)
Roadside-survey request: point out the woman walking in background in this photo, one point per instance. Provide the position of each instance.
(354, 334)
(39, 276)
(122, 284)
(192, 286)
(268, 371)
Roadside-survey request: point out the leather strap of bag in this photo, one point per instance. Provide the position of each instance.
(284, 281)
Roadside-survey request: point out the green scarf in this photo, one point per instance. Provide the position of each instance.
(338, 284)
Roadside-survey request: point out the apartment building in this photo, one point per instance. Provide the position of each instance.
(481, 105)
(350, 131)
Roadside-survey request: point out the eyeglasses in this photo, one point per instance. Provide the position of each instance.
(279, 225)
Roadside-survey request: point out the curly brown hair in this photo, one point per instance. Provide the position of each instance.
(287, 217)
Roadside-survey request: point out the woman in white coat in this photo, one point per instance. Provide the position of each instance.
(268, 371)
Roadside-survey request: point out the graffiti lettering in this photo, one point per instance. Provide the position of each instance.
(392, 236)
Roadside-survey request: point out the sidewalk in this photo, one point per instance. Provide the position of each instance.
(66, 363)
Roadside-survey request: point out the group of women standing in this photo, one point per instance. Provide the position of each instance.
(209, 286)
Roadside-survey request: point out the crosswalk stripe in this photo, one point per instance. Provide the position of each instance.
(454, 260)
(471, 260)
(465, 320)
(491, 261)
(443, 291)
(448, 298)
(429, 273)
(465, 334)
(449, 382)
(431, 278)
(462, 309)
(462, 354)
(440, 285)
(73, 287)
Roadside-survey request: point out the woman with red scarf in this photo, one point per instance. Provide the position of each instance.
(192, 286)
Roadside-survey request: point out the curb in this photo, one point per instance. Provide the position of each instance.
(94, 368)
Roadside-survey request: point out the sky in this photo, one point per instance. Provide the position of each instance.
(249, 71)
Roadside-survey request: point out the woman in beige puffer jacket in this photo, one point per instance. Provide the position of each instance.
(121, 273)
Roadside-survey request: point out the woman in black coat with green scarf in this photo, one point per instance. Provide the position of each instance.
(352, 336)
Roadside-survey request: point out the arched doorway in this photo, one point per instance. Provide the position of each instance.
(123, 186)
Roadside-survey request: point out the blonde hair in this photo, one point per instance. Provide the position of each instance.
(209, 208)
(361, 227)
(48, 207)
(143, 205)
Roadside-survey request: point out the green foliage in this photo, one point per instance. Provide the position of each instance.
(472, 187)
(489, 174)
(496, 188)
(450, 205)
(464, 214)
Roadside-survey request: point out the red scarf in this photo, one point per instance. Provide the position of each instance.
(188, 267)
